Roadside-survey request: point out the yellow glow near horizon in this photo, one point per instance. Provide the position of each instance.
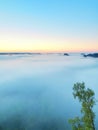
(43, 47)
(16, 42)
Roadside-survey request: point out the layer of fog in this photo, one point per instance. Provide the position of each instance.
(37, 90)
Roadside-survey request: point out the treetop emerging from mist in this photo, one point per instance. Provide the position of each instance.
(87, 100)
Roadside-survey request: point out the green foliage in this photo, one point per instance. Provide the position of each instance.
(87, 100)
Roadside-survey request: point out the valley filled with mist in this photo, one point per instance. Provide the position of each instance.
(36, 90)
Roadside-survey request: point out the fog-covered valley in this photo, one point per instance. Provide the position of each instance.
(36, 90)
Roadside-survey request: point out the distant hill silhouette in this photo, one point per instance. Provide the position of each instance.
(19, 53)
(66, 54)
(94, 55)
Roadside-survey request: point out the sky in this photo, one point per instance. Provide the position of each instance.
(48, 25)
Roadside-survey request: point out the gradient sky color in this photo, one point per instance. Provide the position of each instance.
(49, 25)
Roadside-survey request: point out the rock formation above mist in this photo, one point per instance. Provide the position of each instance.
(94, 55)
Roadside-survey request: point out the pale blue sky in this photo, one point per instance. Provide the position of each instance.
(49, 25)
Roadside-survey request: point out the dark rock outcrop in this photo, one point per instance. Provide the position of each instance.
(94, 55)
(66, 54)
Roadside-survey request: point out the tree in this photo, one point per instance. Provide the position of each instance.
(87, 100)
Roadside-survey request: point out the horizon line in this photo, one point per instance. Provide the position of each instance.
(49, 51)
